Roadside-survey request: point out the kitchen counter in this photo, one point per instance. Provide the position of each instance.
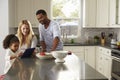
(78, 44)
(35, 69)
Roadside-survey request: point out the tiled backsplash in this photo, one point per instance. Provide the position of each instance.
(87, 34)
(14, 30)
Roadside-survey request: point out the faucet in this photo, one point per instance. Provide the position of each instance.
(64, 36)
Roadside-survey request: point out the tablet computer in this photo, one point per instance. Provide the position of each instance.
(28, 52)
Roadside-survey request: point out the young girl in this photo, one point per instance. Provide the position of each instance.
(11, 44)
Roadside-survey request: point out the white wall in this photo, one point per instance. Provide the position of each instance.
(4, 30)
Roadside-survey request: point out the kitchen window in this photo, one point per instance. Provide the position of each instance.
(67, 14)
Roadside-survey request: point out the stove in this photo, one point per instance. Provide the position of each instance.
(116, 52)
(115, 64)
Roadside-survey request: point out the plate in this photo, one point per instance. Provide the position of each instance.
(46, 56)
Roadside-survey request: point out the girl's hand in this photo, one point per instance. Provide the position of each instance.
(20, 54)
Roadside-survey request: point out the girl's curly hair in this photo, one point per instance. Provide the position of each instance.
(9, 39)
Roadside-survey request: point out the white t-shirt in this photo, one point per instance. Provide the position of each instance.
(33, 44)
(8, 62)
(49, 34)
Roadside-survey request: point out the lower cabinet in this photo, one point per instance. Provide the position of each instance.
(90, 55)
(97, 57)
(77, 50)
(86, 53)
(103, 61)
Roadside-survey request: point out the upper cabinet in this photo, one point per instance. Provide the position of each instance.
(12, 13)
(26, 9)
(117, 12)
(23, 10)
(89, 13)
(114, 14)
(100, 14)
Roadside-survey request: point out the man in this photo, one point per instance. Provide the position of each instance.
(50, 35)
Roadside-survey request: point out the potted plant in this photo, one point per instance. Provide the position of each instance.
(96, 39)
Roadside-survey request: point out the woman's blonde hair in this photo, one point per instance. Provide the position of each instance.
(28, 37)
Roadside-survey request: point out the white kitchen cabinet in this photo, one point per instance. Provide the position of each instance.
(107, 68)
(36, 5)
(118, 11)
(12, 13)
(113, 15)
(26, 9)
(23, 10)
(89, 14)
(100, 14)
(99, 59)
(96, 14)
(86, 53)
(90, 55)
(77, 50)
(103, 61)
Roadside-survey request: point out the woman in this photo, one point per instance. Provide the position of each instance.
(26, 35)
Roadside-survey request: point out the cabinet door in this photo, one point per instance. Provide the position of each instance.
(23, 10)
(108, 62)
(102, 13)
(112, 13)
(107, 68)
(77, 50)
(103, 61)
(90, 55)
(36, 5)
(26, 9)
(12, 13)
(99, 59)
(100, 64)
(89, 13)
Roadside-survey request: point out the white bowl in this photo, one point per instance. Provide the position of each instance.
(59, 55)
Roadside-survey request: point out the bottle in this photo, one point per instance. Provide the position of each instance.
(72, 41)
(103, 38)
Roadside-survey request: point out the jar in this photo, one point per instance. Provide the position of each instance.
(102, 41)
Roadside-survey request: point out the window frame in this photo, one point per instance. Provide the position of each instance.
(79, 22)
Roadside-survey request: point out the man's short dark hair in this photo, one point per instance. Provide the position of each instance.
(41, 11)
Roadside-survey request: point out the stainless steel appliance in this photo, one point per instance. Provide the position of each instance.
(115, 64)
